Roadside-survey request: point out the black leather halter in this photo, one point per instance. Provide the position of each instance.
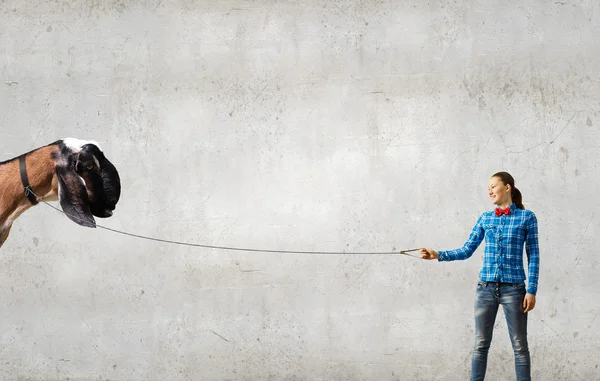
(25, 181)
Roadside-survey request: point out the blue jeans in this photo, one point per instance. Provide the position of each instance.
(489, 297)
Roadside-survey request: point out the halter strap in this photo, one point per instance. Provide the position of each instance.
(25, 181)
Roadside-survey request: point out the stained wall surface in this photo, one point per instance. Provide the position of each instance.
(368, 126)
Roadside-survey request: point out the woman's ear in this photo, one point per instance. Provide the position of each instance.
(73, 198)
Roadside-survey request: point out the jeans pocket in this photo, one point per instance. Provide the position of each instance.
(519, 288)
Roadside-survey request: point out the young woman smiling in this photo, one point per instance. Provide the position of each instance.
(506, 230)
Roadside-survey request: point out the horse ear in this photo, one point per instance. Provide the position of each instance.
(73, 197)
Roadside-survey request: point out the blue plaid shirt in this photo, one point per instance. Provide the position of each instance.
(504, 239)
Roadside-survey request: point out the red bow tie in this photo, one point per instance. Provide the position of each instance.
(500, 212)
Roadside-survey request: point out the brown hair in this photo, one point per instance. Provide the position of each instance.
(515, 194)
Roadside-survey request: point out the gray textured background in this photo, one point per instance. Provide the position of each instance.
(288, 125)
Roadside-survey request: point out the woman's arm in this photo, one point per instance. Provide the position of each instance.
(466, 251)
(533, 253)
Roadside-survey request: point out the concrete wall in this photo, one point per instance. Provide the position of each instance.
(358, 126)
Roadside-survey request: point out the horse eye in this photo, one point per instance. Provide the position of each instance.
(90, 167)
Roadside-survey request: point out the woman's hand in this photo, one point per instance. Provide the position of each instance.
(428, 254)
(529, 302)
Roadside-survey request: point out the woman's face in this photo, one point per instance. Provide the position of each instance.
(499, 192)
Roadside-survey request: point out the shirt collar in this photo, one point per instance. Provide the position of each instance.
(512, 207)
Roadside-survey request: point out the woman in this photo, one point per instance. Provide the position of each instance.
(502, 278)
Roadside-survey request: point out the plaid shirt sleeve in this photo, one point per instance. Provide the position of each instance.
(467, 250)
(533, 253)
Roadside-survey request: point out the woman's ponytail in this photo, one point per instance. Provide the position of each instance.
(517, 197)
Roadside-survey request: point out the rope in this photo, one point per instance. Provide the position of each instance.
(403, 252)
